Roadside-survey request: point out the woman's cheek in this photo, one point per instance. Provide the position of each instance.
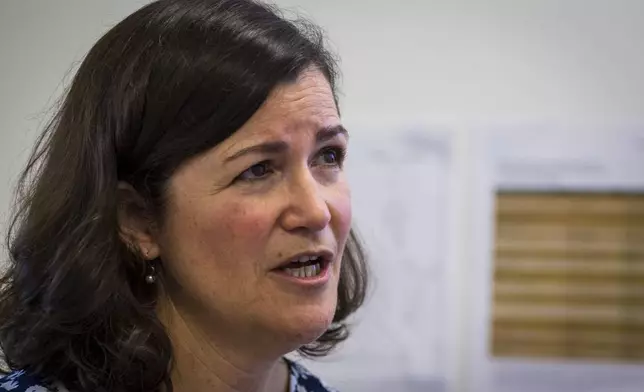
(247, 219)
(341, 205)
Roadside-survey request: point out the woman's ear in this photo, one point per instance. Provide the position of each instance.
(136, 223)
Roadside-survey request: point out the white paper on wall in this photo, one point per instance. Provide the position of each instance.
(605, 160)
(611, 160)
(400, 204)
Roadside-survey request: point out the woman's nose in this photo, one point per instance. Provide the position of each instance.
(307, 207)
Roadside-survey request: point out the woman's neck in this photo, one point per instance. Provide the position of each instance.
(203, 363)
(192, 373)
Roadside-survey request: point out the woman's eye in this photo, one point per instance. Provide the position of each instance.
(255, 172)
(331, 157)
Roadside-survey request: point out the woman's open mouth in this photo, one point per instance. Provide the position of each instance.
(306, 267)
(309, 268)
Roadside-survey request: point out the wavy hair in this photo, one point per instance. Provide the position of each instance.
(169, 82)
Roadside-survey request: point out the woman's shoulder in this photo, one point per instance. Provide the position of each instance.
(302, 380)
(21, 381)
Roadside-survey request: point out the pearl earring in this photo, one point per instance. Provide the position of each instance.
(151, 277)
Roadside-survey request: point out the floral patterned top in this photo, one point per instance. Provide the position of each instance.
(301, 380)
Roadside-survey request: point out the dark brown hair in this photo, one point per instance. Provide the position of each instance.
(169, 82)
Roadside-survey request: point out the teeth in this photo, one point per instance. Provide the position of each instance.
(304, 272)
(305, 259)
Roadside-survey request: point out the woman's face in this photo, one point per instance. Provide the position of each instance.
(256, 227)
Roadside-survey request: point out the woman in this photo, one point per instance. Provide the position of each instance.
(184, 222)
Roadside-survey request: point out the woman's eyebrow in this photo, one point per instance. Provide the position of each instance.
(275, 147)
(327, 133)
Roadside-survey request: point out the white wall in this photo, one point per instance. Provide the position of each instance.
(461, 63)
(487, 59)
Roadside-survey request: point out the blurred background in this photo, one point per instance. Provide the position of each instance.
(496, 162)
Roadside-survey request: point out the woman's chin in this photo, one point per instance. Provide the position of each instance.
(306, 326)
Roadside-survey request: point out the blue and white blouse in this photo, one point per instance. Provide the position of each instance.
(301, 380)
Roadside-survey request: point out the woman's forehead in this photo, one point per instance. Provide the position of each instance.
(310, 95)
(306, 104)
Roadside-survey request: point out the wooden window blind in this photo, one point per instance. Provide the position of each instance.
(569, 276)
